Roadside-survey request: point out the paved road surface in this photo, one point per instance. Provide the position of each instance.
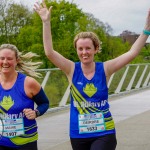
(131, 114)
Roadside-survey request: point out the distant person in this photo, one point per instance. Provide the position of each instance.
(91, 124)
(18, 93)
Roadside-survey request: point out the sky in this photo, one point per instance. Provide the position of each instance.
(119, 14)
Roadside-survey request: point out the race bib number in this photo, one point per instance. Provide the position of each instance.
(13, 127)
(90, 123)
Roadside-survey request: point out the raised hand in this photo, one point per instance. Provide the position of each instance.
(147, 25)
(43, 11)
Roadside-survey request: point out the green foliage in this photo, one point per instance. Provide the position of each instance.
(55, 87)
(119, 74)
(20, 26)
(58, 83)
(145, 54)
(66, 20)
(63, 22)
(12, 18)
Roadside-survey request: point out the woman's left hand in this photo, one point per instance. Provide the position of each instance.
(147, 25)
(29, 113)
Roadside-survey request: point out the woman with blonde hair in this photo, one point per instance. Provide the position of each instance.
(18, 93)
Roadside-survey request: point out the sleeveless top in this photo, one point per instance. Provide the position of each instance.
(15, 128)
(89, 114)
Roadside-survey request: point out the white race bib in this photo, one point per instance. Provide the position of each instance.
(90, 123)
(13, 127)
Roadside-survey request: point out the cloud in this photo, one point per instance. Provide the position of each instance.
(119, 14)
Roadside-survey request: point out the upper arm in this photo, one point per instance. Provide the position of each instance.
(66, 65)
(31, 86)
(114, 65)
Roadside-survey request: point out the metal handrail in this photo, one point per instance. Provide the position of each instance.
(143, 81)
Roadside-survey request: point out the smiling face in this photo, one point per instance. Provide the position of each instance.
(8, 61)
(87, 45)
(85, 50)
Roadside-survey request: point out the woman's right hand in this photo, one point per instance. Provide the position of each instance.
(43, 11)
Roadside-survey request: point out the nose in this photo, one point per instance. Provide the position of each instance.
(84, 51)
(5, 60)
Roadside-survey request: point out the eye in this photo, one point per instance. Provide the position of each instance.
(10, 58)
(88, 48)
(80, 48)
(2, 58)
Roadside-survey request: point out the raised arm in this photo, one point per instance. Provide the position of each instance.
(57, 59)
(114, 65)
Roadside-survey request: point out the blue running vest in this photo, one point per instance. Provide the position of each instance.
(89, 97)
(18, 130)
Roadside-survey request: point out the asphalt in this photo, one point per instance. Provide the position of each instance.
(131, 113)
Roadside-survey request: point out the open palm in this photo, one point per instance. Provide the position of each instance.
(43, 11)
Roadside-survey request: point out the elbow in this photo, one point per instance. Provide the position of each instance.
(133, 54)
(49, 53)
(46, 106)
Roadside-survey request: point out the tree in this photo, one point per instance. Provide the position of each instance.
(64, 19)
(12, 18)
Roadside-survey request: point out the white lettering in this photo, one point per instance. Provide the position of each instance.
(12, 116)
(90, 104)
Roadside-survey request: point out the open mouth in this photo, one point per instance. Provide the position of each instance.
(5, 67)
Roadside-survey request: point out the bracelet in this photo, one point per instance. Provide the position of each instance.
(146, 32)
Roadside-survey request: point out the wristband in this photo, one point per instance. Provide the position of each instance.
(146, 32)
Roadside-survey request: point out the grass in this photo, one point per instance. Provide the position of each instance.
(57, 83)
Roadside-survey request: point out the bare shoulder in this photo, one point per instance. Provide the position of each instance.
(32, 86)
(29, 81)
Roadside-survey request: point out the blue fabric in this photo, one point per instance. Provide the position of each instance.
(42, 101)
(94, 92)
(12, 103)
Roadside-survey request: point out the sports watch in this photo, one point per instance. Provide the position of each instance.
(37, 113)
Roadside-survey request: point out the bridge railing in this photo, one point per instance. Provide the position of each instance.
(131, 77)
